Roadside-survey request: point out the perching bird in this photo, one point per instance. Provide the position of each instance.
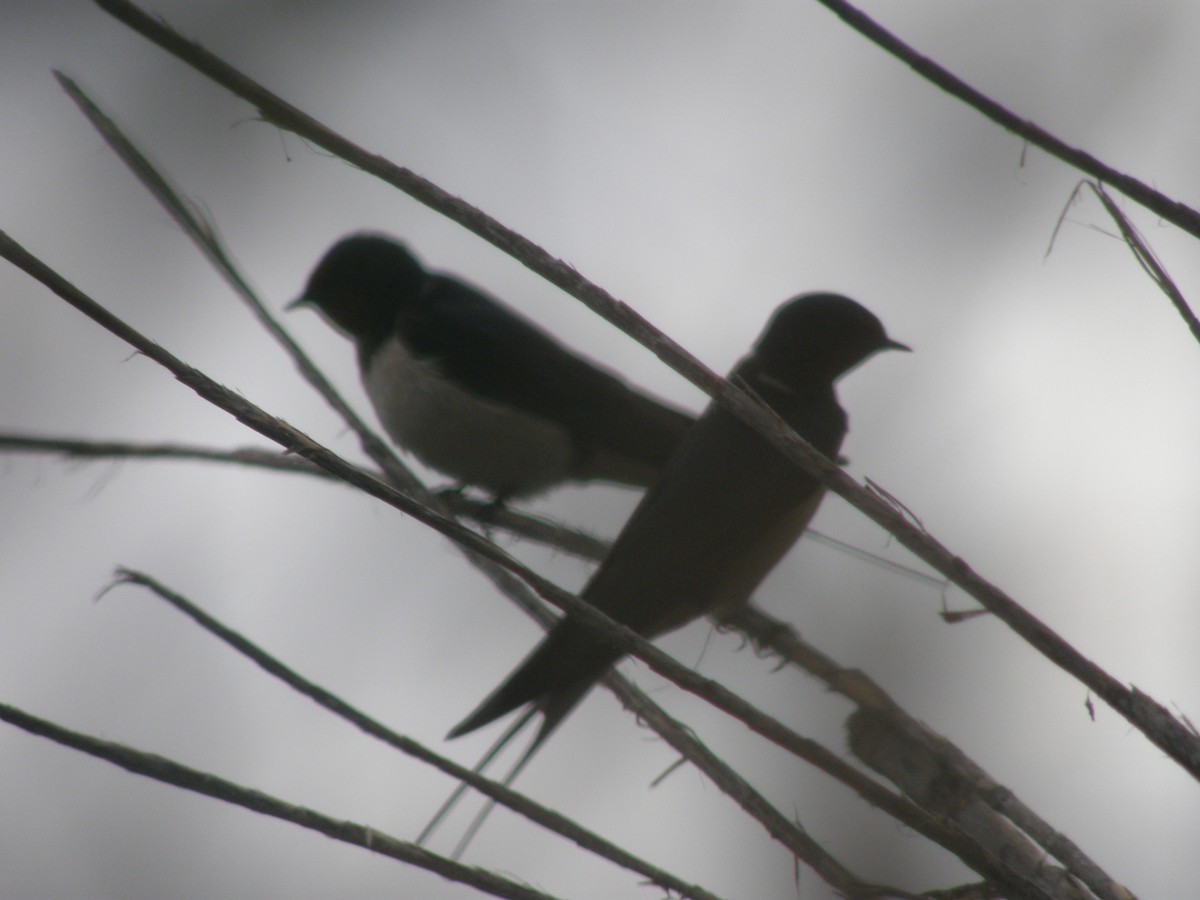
(725, 511)
(477, 392)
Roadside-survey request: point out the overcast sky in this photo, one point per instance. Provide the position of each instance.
(702, 162)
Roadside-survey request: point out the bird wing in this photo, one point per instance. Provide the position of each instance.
(726, 509)
(502, 356)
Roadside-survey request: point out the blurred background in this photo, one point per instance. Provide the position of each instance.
(702, 162)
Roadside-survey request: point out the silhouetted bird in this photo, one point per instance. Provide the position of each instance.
(726, 509)
(476, 391)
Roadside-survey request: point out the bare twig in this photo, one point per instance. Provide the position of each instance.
(744, 794)
(80, 449)
(485, 512)
(917, 760)
(1173, 211)
(170, 772)
(1148, 716)
(1147, 260)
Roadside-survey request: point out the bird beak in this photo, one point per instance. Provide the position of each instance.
(298, 302)
(889, 344)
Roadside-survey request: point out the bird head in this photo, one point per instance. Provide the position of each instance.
(362, 283)
(819, 336)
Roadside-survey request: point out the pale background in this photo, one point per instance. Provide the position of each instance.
(702, 162)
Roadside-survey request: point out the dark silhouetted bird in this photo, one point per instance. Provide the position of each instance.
(727, 507)
(477, 392)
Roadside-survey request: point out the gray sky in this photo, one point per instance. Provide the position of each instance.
(703, 162)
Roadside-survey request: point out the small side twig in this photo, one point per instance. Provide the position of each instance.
(1147, 260)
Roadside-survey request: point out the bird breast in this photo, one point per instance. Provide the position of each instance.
(471, 439)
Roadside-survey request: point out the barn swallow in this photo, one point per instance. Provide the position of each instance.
(478, 392)
(726, 509)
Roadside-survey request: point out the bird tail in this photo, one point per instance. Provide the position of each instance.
(555, 676)
(554, 709)
(486, 760)
(551, 680)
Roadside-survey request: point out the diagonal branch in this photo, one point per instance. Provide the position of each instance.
(929, 768)
(522, 524)
(170, 772)
(1147, 260)
(1179, 214)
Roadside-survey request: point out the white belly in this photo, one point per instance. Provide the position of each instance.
(505, 451)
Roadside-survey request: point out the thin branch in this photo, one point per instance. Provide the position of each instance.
(170, 772)
(743, 793)
(256, 457)
(909, 755)
(487, 513)
(1144, 713)
(1179, 214)
(528, 526)
(537, 813)
(1147, 260)
(906, 751)
(941, 830)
